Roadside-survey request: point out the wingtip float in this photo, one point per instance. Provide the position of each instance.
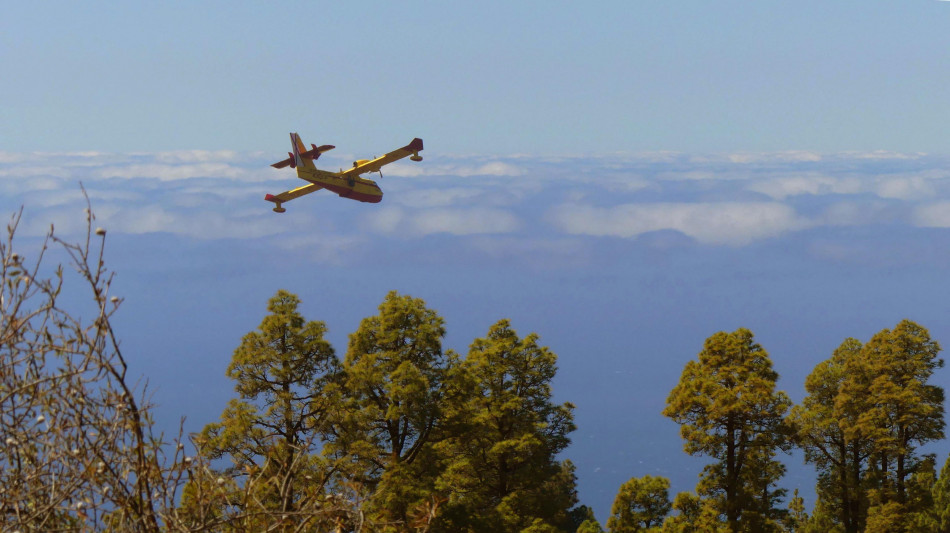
(346, 183)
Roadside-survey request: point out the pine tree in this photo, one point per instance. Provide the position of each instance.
(641, 505)
(590, 526)
(920, 507)
(887, 517)
(825, 427)
(823, 519)
(868, 409)
(584, 514)
(761, 474)
(728, 409)
(501, 462)
(941, 499)
(694, 515)
(904, 411)
(287, 378)
(796, 520)
(396, 376)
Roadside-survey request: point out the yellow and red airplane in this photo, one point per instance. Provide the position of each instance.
(346, 183)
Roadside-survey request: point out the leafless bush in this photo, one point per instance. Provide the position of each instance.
(78, 451)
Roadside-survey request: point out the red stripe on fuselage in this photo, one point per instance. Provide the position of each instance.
(347, 192)
(355, 188)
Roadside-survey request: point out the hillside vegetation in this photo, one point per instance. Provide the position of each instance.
(400, 434)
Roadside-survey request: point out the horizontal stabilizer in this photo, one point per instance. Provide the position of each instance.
(313, 154)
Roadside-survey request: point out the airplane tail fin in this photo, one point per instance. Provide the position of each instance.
(299, 148)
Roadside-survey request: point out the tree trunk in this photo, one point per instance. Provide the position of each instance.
(732, 505)
(845, 496)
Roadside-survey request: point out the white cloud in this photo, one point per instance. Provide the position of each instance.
(399, 170)
(28, 172)
(784, 157)
(148, 219)
(385, 219)
(218, 194)
(904, 188)
(898, 187)
(60, 196)
(882, 154)
(177, 172)
(730, 223)
(494, 168)
(799, 156)
(936, 215)
(748, 158)
(199, 225)
(690, 175)
(61, 161)
(198, 156)
(783, 187)
(36, 184)
(438, 197)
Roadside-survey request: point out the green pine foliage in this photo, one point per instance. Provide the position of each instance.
(405, 436)
(693, 514)
(869, 407)
(941, 499)
(590, 526)
(796, 520)
(500, 461)
(641, 505)
(396, 381)
(826, 429)
(728, 409)
(287, 378)
(905, 410)
(920, 508)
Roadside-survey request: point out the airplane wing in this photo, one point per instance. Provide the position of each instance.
(287, 196)
(411, 149)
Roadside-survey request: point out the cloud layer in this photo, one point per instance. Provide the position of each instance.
(729, 200)
(731, 223)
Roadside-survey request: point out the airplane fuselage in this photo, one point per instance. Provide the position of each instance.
(354, 188)
(345, 183)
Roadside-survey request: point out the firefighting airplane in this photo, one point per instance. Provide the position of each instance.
(346, 183)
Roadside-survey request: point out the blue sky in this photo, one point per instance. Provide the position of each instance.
(624, 179)
(536, 77)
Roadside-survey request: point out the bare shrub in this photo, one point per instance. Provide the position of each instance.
(78, 449)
